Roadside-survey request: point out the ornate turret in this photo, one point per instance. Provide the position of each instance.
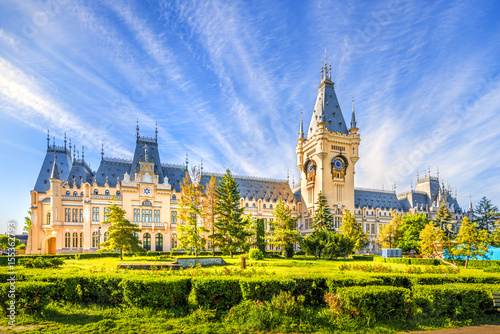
(354, 127)
(55, 171)
(301, 130)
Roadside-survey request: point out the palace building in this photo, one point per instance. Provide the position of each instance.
(69, 200)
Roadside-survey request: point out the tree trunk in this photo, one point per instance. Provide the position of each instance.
(466, 262)
(231, 253)
(121, 254)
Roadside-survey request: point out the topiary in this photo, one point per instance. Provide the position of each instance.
(255, 254)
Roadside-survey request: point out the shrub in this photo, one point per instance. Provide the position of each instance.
(286, 305)
(156, 292)
(30, 297)
(396, 280)
(372, 304)
(313, 289)
(219, 293)
(264, 289)
(492, 270)
(341, 282)
(455, 301)
(41, 262)
(255, 254)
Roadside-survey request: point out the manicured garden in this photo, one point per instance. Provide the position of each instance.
(272, 295)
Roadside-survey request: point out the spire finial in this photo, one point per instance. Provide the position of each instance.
(156, 131)
(65, 140)
(187, 161)
(293, 181)
(417, 175)
(438, 172)
(102, 151)
(74, 154)
(201, 166)
(288, 176)
(330, 68)
(54, 143)
(301, 129)
(48, 139)
(411, 185)
(137, 128)
(353, 116)
(321, 69)
(70, 147)
(83, 153)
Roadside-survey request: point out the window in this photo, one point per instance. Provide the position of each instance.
(270, 206)
(174, 197)
(137, 215)
(159, 242)
(146, 241)
(337, 222)
(95, 214)
(75, 194)
(96, 192)
(48, 218)
(67, 215)
(81, 194)
(146, 203)
(81, 239)
(106, 235)
(157, 216)
(373, 228)
(105, 213)
(95, 239)
(263, 206)
(246, 205)
(67, 240)
(253, 205)
(106, 192)
(174, 241)
(75, 240)
(136, 235)
(74, 216)
(118, 193)
(147, 215)
(81, 215)
(67, 193)
(174, 217)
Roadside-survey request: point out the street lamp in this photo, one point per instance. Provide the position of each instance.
(390, 235)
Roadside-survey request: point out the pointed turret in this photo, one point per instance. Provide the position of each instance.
(471, 209)
(301, 130)
(55, 171)
(354, 127)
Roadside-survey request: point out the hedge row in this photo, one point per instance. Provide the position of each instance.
(4, 258)
(436, 262)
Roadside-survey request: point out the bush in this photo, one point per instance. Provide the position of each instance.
(286, 305)
(255, 254)
(455, 301)
(264, 289)
(372, 304)
(41, 262)
(341, 282)
(396, 280)
(157, 292)
(313, 289)
(219, 293)
(30, 297)
(492, 270)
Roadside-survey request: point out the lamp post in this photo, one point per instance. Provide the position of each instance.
(390, 240)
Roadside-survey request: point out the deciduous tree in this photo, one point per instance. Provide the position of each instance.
(471, 242)
(209, 208)
(285, 228)
(434, 243)
(391, 234)
(412, 225)
(351, 229)
(27, 221)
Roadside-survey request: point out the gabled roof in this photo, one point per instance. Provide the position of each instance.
(64, 164)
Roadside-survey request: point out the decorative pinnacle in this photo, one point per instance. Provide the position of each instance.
(321, 69)
(65, 140)
(301, 130)
(70, 146)
(156, 131)
(83, 152)
(48, 139)
(137, 128)
(54, 143)
(187, 161)
(330, 68)
(353, 116)
(102, 151)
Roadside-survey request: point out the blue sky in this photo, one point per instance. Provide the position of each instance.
(226, 81)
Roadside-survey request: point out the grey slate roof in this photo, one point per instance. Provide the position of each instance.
(327, 109)
(80, 172)
(373, 199)
(112, 169)
(149, 145)
(64, 164)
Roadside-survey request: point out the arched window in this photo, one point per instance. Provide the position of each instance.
(146, 241)
(118, 193)
(67, 193)
(263, 206)
(81, 239)
(253, 205)
(48, 218)
(136, 235)
(159, 242)
(95, 239)
(75, 240)
(174, 197)
(106, 192)
(270, 206)
(174, 241)
(67, 240)
(75, 194)
(81, 194)
(106, 235)
(146, 203)
(246, 205)
(96, 192)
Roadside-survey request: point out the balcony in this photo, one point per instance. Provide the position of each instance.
(109, 197)
(72, 198)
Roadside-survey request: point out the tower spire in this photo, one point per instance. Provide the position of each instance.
(70, 147)
(470, 203)
(55, 171)
(301, 130)
(48, 139)
(321, 69)
(102, 151)
(353, 116)
(330, 68)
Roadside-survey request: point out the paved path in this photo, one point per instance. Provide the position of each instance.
(481, 329)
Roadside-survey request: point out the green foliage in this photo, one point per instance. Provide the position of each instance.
(284, 228)
(41, 262)
(209, 208)
(453, 301)
(231, 230)
(373, 303)
(286, 304)
(312, 288)
(323, 217)
(412, 226)
(264, 289)
(189, 231)
(326, 243)
(157, 292)
(259, 226)
(219, 293)
(8, 242)
(121, 233)
(335, 283)
(29, 297)
(391, 234)
(354, 231)
(255, 254)
(380, 268)
(27, 222)
(471, 242)
(485, 215)
(495, 234)
(443, 216)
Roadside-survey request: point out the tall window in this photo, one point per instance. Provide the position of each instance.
(67, 215)
(67, 240)
(105, 212)
(270, 206)
(337, 222)
(95, 214)
(264, 205)
(81, 215)
(81, 239)
(159, 242)
(157, 216)
(146, 241)
(106, 235)
(67, 193)
(96, 192)
(81, 194)
(75, 240)
(75, 194)
(74, 216)
(137, 215)
(48, 218)
(106, 193)
(174, 217)
(174, 241)
(95, 239)
(174, 198)
(118, 193)
(147, 215)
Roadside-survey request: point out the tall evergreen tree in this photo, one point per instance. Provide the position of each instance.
(350, 228)
(190, 231)
(259, 226)
(209, 209)
(120, 233)
(443, 216)
(322, 215)
(485, 215)
(231, 232)
(285, 232)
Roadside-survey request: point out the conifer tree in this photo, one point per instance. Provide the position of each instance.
(190, 230)
(471, 242)
(485, 215)
(322, 215)
(284, 228)
(351, 229)
(443, 216)
(209, 208)
(231, 232)
(120, 233)
(260, 234)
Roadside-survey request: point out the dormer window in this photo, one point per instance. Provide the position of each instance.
(96, 192)
(118, 193)
(75, 194)
(67, 193)
(174, 197)
(106, 193)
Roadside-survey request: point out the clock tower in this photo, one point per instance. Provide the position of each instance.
(327, 155)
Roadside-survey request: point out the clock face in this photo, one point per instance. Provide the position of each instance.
(338, 164)
(146, 191)
(310, 168)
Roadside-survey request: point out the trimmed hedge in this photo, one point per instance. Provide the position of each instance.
(435, 279)
(376, 303)
(264, 289)
(30, 297)
(4, 258)
(313, 289)
(220, 293)
(455, 301)
(157, 292)
(335, 283)
(396, 280)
